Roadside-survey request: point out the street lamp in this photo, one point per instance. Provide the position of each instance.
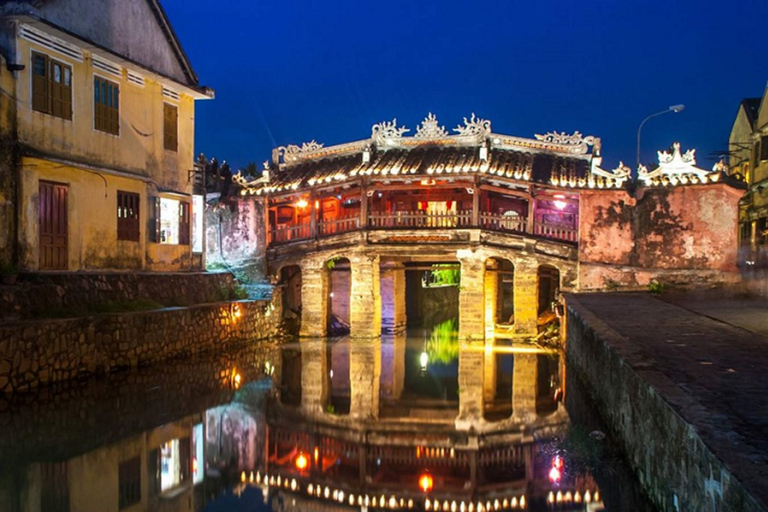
(673, 108)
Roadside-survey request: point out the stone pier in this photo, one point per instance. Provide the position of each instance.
(526, 296)
(364, 377)
(315, 385)
(471, 405)
(471, 296)
(314, 299)
(365, 297)
(524, 382)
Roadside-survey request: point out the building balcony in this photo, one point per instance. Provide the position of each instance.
(421, 220)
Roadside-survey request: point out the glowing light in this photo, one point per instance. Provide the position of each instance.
(522, 501)
(426, 482)
(556, 471)
(235, 379)
(302, 462)
(587, 497)
(424, 360)
(242, 476)
(302, 203)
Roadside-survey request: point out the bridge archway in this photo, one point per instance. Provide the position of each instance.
(499, 293)
(548, 287)
(290, 284)
(339, 281)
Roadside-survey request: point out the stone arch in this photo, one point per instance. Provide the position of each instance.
(290, 283)
(499, 292)
(548, 285)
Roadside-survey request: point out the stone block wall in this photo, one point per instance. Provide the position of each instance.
(676, 468)
(36, 353)
(46, 294)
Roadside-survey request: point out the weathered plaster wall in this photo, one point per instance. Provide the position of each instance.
(35, 353)
(683, 235)
(139, 147)
(8, 172)
(676, 468)
(235, 233)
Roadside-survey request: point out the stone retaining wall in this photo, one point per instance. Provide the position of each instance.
(676, 468)
(34, 353)
(36, 295)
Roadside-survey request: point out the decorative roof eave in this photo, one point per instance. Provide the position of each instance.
(678, 168)
(474, 132)
(574, 145)
(293, 154)
(597, 178)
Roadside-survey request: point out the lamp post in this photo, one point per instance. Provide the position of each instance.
(673, 108)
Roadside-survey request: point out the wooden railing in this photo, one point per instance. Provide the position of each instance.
(555, 232)
(497, 222)
(422, 220)
(335, 226)
(290, 233)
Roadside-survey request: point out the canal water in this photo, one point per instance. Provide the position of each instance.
(413, 421)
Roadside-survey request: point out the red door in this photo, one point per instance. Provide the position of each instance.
(53, 226)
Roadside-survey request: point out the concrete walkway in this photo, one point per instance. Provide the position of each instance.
(714, 350)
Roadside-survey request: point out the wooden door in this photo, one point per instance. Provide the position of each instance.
(53, 226)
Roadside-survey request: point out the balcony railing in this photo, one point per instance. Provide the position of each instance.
(335, 226)
(497, 222)
(420, 220)
(423, 220)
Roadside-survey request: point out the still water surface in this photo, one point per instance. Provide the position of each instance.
(410, 422)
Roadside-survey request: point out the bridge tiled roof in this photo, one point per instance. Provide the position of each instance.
(424, 162)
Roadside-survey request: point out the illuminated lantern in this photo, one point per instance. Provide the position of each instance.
(301, 462)
(426, 482)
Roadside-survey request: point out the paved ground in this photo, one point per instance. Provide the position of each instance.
(715, 349)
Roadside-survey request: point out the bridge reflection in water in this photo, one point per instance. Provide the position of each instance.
(414, 421)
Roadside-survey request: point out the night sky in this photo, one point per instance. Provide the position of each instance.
(289, 71)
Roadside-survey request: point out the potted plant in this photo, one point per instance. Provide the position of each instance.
(8, 273)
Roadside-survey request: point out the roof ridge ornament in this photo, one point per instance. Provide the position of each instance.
(677, 168)
(430, 129)
(578, 143)
(475, 127)
(292, 152)
(563, 138)
(387, 133)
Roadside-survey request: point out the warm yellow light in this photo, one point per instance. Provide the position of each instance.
(302, 462)
(426, 482)
(302, 203)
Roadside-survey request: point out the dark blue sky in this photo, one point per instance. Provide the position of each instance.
(289, 71)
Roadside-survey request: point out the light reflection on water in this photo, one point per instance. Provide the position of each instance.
(368, 419)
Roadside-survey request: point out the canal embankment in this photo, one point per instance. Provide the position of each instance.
(35, 352)
(684, 393)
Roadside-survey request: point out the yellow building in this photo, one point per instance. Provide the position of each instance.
(97, 163)
(748, 149)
